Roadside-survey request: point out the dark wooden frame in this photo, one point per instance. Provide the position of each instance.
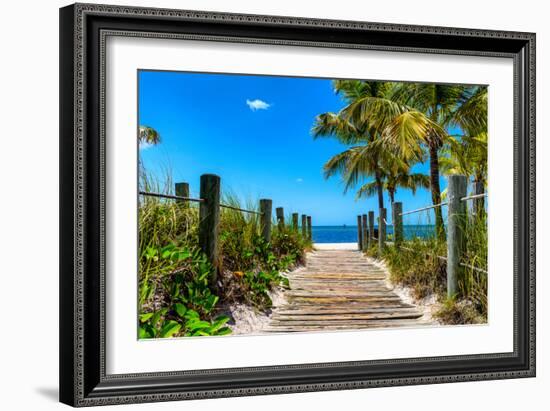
(83, 29)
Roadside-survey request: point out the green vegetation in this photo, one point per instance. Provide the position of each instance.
(175, 297)
(420, 264)
(416, 265)
(390, 127)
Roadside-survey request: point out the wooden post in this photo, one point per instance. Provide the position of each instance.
(295, 221)
(457, 189)
(359, 233)
(182, 190)
(309, 229)
(397, 219)
(265, 219)
(365, 235)
(381, 231)
(371, 226)
(209, 219)
(304, 226)
(479, 203)
(280, 213)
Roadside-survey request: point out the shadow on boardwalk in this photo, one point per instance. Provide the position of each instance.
(341, 289)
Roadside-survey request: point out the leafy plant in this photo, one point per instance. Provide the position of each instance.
(175, 298)
(187, 299)
(259, 284)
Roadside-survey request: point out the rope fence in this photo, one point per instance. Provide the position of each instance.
(171, 197)
(444, 203)
(473, 197)
(240, 209)
(424, 208)
(455, 233)
(209, 215)
(197, 200)
(481, 270)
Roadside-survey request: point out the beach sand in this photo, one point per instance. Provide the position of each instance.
(335, 246)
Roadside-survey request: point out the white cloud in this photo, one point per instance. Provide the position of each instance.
(257, 104)
(299, 180)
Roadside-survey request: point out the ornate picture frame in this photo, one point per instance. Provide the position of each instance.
(84, 29)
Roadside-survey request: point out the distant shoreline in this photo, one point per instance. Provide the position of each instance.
(342, 234)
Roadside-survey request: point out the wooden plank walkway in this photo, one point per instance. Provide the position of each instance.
(340, 290)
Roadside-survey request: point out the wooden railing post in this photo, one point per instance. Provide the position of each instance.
(304, 226)
(280, 213)
(397, 219)
(295, 221)
(381, 231)
(309, 229)
(479, 203)
(209, 218)
(182, 190)
(365, 235)
(457, 189)
(265, 219)
(359, 233)
(371, 226)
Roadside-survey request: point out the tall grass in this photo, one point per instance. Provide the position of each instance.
(417, 263)
(174, 295)
(238, 233)
(473, 284)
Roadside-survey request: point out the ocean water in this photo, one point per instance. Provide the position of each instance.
(348, 234)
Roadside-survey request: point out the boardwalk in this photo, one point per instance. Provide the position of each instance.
(340, 290)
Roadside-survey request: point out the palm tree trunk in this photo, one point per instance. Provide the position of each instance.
(436, 191)
(379, 189)
(391, 193)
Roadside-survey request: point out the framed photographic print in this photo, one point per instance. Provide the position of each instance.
(261, 204)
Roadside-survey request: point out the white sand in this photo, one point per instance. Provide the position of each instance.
(428, 305)
(250, 321)
(335, 246)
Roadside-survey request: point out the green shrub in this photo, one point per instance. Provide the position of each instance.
(289, 246)
(174, 295)
(181, 289)
(258, 284)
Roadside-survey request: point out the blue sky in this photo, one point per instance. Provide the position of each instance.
(254, 132)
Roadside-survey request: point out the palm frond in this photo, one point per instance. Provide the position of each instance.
(367, 190)
(148, 135)
(408, 131)
(338, 164)
(471, 114)
(374, 113)
(333, 125)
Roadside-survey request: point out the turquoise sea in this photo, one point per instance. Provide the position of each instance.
(348, 233)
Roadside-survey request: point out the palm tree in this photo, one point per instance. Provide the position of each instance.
(358, 162)
(414, 118)
(148, 135)
(466, 155)
(397, 176)
(437, 102)
(355, 164)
